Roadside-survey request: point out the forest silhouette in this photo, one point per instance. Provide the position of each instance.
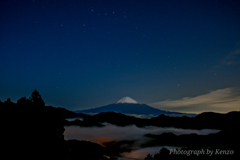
(35, 131)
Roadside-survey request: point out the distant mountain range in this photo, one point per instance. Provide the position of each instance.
(205, 120)
(130, 106)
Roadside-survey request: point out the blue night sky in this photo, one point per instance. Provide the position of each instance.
(82, 54)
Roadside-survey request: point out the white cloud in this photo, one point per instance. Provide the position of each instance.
(221, 100)
(110, 133)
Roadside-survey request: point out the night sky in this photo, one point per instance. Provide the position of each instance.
(172, 54)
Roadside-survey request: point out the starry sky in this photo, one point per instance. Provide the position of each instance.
(81, 54)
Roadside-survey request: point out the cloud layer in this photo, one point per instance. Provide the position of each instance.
(221, 100)
(111, 133)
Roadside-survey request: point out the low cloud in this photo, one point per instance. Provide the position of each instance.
(110, 132)
(128, 138)
(221, 100)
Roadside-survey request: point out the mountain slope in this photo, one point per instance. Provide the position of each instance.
(127, 108)
(127, 105)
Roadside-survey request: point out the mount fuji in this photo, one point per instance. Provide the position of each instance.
(130, 106)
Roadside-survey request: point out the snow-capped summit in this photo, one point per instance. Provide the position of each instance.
(127, 100)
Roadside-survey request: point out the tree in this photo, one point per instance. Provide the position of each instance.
(164, 152)
(149, 157)
(24, 102)
(36, 99)
(1, 103)
(8, 102)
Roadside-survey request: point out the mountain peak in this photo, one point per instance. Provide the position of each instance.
(127, 100)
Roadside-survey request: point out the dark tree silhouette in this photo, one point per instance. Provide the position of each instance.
(33, 132)
(24, 102)
(163, 152)
(149, 157)
(36, 99)
(8, 102)
(46, 129)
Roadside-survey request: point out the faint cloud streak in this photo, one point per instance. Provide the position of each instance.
(233, 58)
(221, 101)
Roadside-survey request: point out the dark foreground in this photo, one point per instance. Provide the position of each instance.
(33, 131)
